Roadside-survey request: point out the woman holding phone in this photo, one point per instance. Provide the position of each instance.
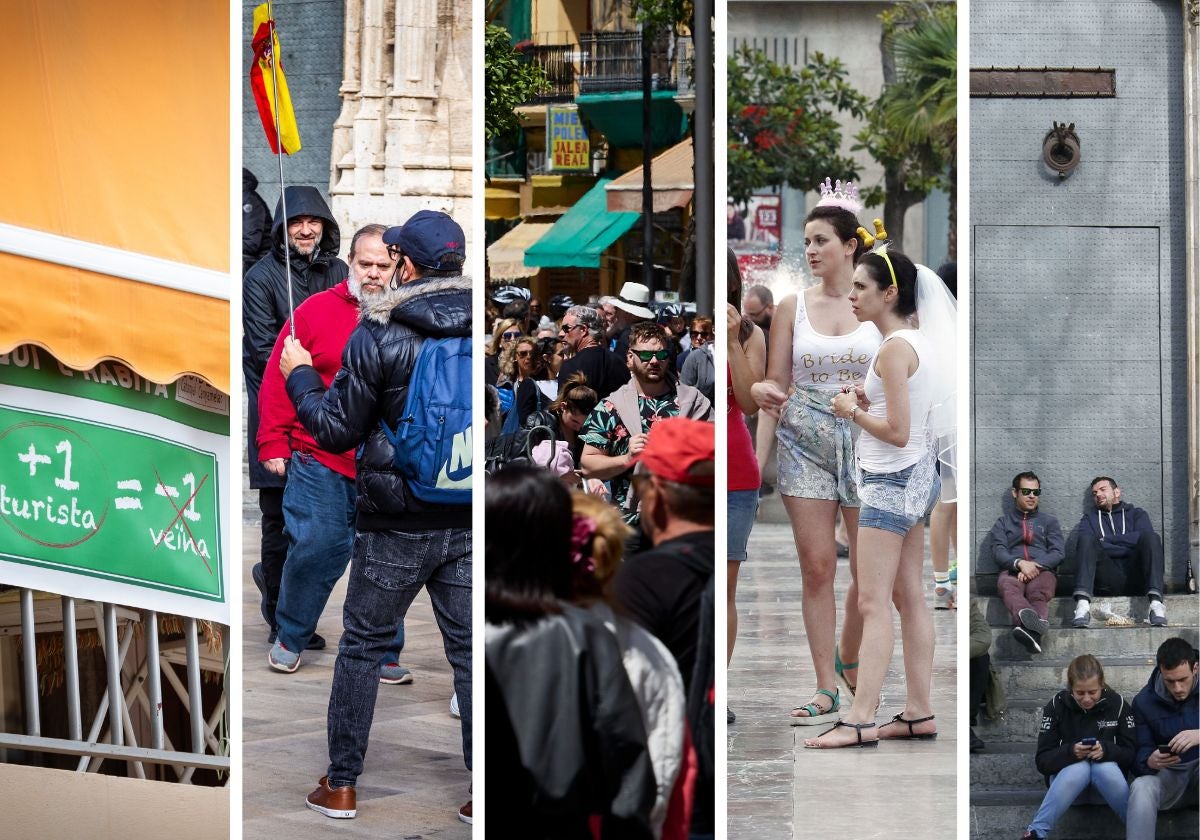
(1087, 741)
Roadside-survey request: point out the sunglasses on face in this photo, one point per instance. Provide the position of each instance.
(1030, 491)
(647, 355)
(569, 327)
(524, 354)
(509, 336)
(698, 334)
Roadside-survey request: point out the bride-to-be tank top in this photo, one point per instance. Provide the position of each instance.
(878, 457)
(829, 362)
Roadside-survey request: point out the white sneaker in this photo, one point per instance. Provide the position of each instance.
(1083, 613)
(1158, 614)
(454, 706)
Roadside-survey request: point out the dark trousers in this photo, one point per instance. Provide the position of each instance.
(274, 545)
(1141, 573)
(980, 672)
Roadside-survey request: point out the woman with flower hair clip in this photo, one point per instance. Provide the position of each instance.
(905, 409)
(598, 537)
(817, 347)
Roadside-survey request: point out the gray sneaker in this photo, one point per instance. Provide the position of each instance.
(1082, 619)
(1027, 640)
(1158, 614)
(282, 659)
(394, 673)
(1033, 622)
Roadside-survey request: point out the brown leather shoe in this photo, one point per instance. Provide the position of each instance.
(338, 803)
(464, 813)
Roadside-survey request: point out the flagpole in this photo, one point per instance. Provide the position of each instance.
(287, 251)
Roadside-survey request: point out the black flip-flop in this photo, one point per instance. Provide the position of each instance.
(857, 727)
(911, 736)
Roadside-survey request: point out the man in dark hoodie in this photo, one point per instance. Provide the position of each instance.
(1118, 552)
(310, 248)
(401, 544)
(1167, 715)
(1027, 546)
(256, 222)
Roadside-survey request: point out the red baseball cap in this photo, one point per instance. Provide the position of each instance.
(680, 450)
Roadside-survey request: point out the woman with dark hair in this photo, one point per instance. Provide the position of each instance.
(1086, 745)
(697, 369)
(900, 408)
(570, 745)
(566, 414)
(747, 355)
(818, 347)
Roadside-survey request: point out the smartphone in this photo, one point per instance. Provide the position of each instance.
(1088, 742)
(1165, 749)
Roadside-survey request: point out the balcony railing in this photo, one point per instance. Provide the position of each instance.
(608, 62)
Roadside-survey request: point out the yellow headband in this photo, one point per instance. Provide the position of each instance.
(891, 270)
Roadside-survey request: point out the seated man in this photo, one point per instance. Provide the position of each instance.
(1119, 553)
(1167, 718)
(1027, 546)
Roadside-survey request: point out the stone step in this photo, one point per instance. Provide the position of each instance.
(1005, 812)
(1006, 765)
(1101, 642)
(1181, 610)
(1041, 677)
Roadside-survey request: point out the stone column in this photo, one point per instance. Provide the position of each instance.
(341, 181)
(1191, 135)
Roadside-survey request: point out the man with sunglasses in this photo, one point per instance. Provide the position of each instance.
(581, 330)
(615, 432)
(1119, 552)
(1027, 546)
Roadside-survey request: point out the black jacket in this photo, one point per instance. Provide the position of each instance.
(256, 222)
(265, 303)
(1064, 723)
(568, 735)
(373, 386)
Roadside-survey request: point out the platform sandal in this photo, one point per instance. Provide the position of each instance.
(857, 727)
(912, 735)
(815, 714)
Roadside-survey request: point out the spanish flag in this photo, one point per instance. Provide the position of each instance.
(262, 82)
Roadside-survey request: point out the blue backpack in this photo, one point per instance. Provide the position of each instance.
(432, 441)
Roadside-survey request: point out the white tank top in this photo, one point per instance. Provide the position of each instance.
(827, 362)
(873, 454)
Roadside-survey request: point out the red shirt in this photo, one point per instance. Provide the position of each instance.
(743, 463)
(323, 325)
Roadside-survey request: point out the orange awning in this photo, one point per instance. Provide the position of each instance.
(672, 176)
(114, 217)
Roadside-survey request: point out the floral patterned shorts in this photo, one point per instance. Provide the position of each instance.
(816, 450)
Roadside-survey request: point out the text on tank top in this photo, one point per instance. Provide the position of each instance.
(877, 456)
(827, 362)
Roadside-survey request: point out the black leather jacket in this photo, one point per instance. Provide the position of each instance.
(372, 386)
(569, 736)
(265, 303)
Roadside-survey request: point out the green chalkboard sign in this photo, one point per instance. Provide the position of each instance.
(108, 502)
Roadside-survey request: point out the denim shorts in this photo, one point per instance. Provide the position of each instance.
(885, 520)
(742, 506)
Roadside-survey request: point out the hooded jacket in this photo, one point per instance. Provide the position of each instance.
(265, 303)
(1160, 717)
(1117, 530)
(1065, 723)
(372, 385)
(324, 323)
(256, 222)
(565, 735)
(1035, 536)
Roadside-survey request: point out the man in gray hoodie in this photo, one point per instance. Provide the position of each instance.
(1027, 545)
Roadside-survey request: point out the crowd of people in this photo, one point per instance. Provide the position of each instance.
(858, 380)
(599, 567)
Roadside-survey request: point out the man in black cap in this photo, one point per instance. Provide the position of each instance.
(309, 242)
(402, 544)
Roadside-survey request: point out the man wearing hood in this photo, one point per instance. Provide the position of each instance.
(1167, 716)
(309, 243)
(1118, 552)
(401, 544)
(256, 222)
(1027, 546)
(318, 500)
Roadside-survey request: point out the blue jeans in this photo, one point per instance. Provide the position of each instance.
(886, 520)
(387, 570)
(318, 515)
(1105, 777)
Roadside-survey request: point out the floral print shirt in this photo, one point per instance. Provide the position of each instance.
(604, 430)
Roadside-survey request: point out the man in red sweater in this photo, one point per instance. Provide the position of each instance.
(319, 499)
